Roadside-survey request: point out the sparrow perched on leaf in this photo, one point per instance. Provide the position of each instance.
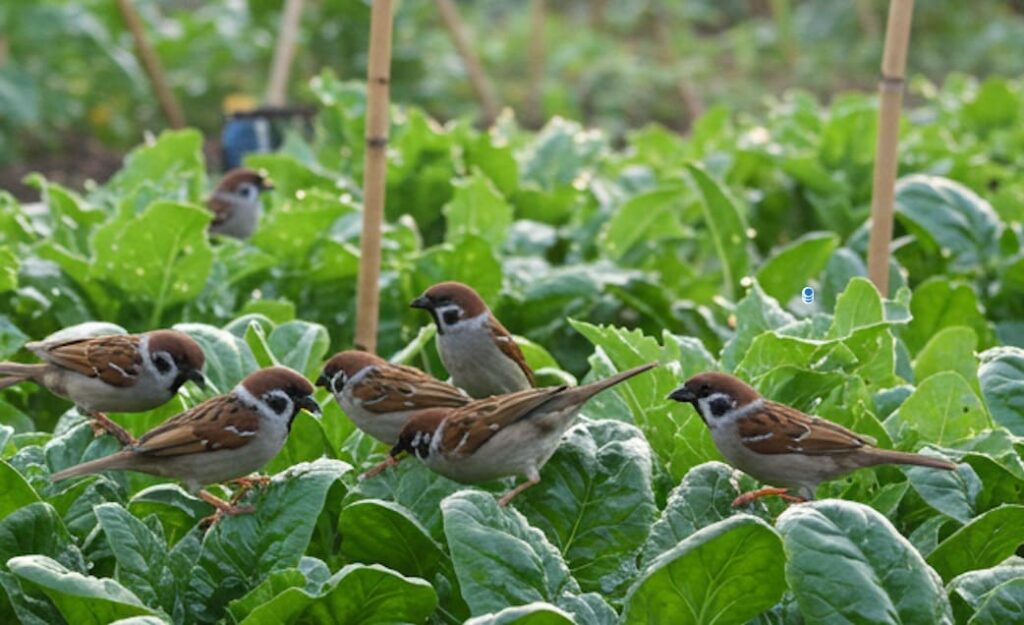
(476, 349)
(503, 435)
(223, 438)
(116, 373)
(235, 202)
(780, 445)
(379, 396)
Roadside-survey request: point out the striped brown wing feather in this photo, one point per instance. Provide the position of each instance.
(508, 346)
(398, 388)
(469, 427)
(780, 429)
(202, 428)
(114, 359)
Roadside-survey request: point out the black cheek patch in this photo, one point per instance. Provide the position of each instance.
(720, 406)
(277, 404)
(161, 364)
(451, 317)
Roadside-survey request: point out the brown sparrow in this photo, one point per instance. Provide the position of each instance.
(379, 396)
(223, 438)
(777, 444)
(504, 435)
(235, 203)
(476, 349)
(117, 373)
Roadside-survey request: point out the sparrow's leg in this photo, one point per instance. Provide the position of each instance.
(507, 497)
(101, 423)
(247, 483)
(223, 508)
(379, 468)
(782, 493)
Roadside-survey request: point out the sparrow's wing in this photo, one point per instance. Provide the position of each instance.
(780, 429)
(220, 207)
(508, 346)
(396, 388)
(114, 359)
(469, 427)
(222, 422)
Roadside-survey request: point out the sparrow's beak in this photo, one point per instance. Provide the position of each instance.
(197, 376)
(309, 404)
(323, 381)
(683, 394)
(422, 302)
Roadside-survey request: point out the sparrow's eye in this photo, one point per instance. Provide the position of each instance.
(162, 362)
(338, 382)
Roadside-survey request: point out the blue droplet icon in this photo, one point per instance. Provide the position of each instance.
(808, 294)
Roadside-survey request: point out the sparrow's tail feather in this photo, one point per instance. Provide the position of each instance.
(888, 456)
(121, 460)
(585, 392)
(12, 373)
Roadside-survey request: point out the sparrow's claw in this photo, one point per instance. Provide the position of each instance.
(378, 468)
(247, 483)
(754, 495)
(507, 497)
(222, 508)
(102, 424)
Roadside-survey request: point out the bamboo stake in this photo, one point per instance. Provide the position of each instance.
(378, 75)
(534, 108)
(482, 87)
(151, 63)
(284, 53)
(890, 89)
(867, 18)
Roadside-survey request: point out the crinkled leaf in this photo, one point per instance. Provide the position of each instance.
(228, 357)
(726, 573)
(846, 563)
(37, 529)
(595, 502)
(537, 613)
(1002, 382)
(300, 345)
(984, 542)
(1003, 605)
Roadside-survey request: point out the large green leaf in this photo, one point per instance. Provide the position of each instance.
(942, 410)
(300, 345)
(477, 208)
(846, 563)
(726, 573)
(79, 598)
(952, 349)
(36, 528)
(755, 313)
(789, 269)
(383, 532)
(415, 487)
(703, 498)
(241, 550)
(643, 218)
(228, 357)
(969, 590)
(17, 492)
(1002, 382)
(142, 562)
(595, 502)
(984, 542)
(161, 256)
(175, 157)
(1005, 604)
(500, 560)
(938, 303)
(537, 613)
(725, 225)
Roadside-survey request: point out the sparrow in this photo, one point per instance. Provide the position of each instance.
(223, 438)
(503, 435)
(780, 445)
(379, 396)
(476, 349)
(235, 202)
(116, 373)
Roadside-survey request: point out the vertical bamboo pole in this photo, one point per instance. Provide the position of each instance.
(867, 18)
(151, 63)
(693, 106)
(482, 87)
(534, 108)
(890, 89)
(378, 75)
(284, 53)
(782, 14)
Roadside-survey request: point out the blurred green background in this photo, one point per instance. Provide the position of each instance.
(73, 96)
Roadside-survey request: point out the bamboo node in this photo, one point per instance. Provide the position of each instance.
(381, 80)
(376, 142)
(888, 82)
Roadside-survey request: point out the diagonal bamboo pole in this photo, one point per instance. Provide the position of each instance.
(151, 63)
(890, 89)
(482, 87)
(378, 75)
(284, 53)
